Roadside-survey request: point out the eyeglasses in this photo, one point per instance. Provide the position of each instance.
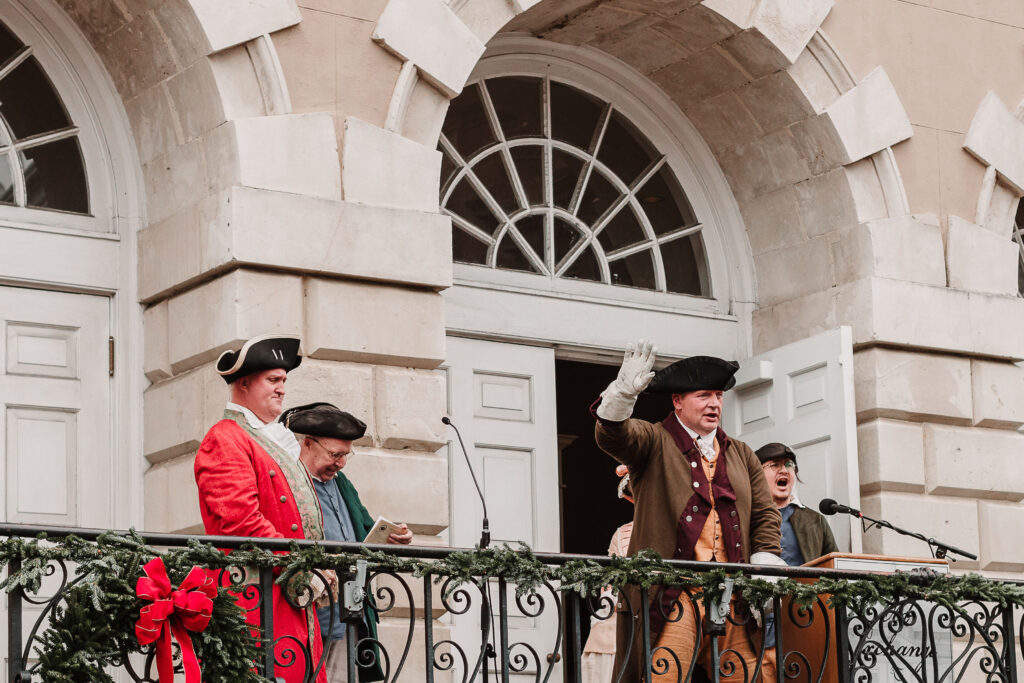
(775, 465)
(336, 455)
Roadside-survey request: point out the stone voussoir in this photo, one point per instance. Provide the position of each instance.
(979, 260)
(431, 36)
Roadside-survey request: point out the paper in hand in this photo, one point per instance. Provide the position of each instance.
(380, 531)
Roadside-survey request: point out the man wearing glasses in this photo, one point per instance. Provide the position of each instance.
(806, 534)
(325, 435)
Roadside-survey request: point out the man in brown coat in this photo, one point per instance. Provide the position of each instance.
(699, 495)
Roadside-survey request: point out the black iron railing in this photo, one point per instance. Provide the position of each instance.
(482, 631)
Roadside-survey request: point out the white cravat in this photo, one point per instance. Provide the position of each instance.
(706, 444)
(275, 431)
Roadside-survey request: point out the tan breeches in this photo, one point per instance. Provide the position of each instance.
(736, 650)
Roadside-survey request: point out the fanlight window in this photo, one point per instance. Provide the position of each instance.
(541, 177)
(41, 163)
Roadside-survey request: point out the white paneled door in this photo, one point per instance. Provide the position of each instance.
(55, 425)
(802, 395)
(502, 398)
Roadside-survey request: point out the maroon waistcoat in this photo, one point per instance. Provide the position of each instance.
(698, 507)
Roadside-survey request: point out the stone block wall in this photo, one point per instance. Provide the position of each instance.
(291, 177)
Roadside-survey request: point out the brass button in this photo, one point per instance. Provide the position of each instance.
(273, 473)
(284, 499)
(732, 513)
(295, 527)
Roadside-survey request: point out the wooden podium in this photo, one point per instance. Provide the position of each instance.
(811, 639)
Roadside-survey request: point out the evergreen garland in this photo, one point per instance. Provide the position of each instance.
(92, 627)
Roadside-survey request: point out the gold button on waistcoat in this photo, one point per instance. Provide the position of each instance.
(284, 499)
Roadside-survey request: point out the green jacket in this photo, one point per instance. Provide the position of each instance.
(362, 522)
(813, 534)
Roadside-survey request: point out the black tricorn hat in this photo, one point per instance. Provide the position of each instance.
(773, 451)
(696, 373)
(265, 352)
(323, 419)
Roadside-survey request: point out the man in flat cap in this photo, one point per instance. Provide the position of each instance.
(806, 534)
(325, 434)
(699, 495)
(251, 482)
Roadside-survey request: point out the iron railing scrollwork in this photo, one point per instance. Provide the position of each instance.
(485, 630)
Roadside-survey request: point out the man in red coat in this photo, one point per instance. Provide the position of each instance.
(251, 483)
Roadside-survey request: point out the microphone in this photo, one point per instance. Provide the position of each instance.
(830, 507)
(485, 530)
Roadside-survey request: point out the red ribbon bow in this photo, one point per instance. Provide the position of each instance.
(173, 612)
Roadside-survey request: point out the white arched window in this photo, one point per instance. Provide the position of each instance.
(566, 172)
(586, 208)
(542, 177)
(41, 165)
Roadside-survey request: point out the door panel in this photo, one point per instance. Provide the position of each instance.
(56, 449)
(802, 395)
(502, 398)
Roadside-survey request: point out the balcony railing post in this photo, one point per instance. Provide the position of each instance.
(503, 627)
(645, 625)
(842, 645)
(14, 663)
(574, 647)
(779, 644)
(351, 645)
(428, 624)
(267, 619)
(1009, 636)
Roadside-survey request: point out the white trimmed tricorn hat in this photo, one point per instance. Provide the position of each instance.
(266, 352)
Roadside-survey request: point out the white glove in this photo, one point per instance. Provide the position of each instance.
(618, 399)
(772, 560)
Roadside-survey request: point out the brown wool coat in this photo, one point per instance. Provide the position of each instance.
(661, 480)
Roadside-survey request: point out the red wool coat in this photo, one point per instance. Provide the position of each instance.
(242, 492)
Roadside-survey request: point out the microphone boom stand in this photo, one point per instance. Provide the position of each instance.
(486, 617)
(938, 549)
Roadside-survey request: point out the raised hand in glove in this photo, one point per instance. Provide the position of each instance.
(618, 399)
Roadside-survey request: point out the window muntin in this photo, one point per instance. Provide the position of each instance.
(41, 161)
(541, 177)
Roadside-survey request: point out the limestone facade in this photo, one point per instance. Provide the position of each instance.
(288, 156)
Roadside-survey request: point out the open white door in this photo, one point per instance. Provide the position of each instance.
(502, 398)
(801, 394)
(56, 450)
